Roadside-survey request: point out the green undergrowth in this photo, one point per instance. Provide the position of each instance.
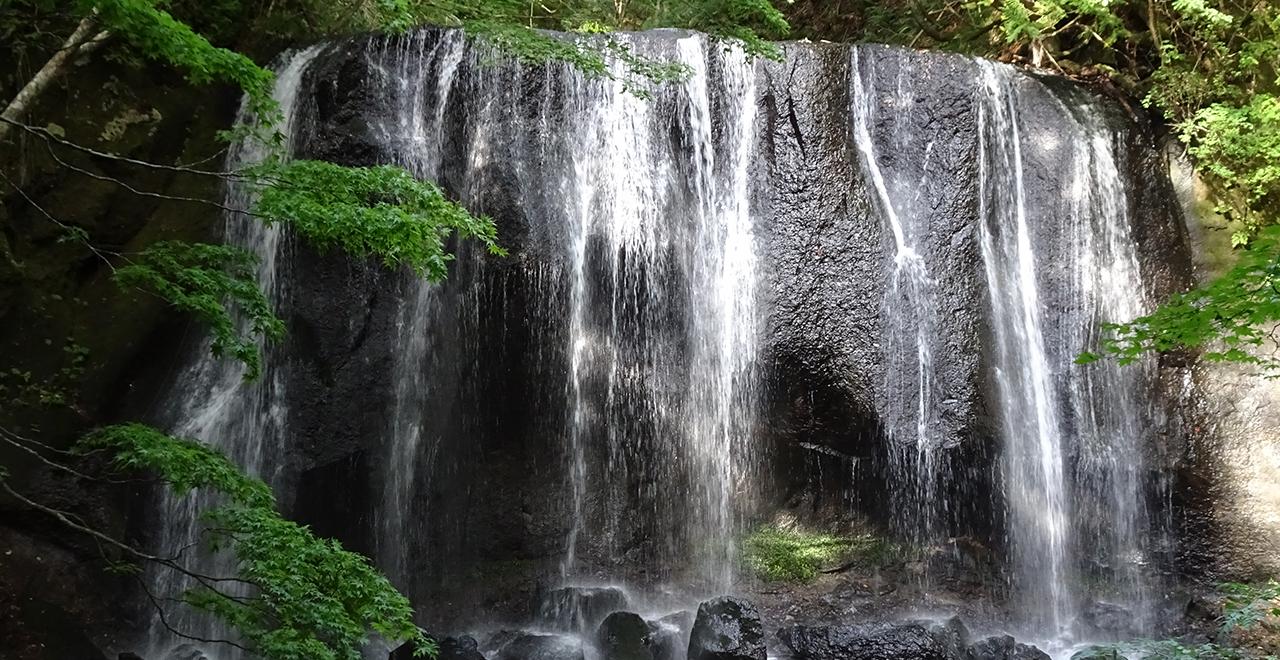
(775, 554)
(1167, 649)
(1243, 606)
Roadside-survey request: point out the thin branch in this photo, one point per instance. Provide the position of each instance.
(102, 254)
(21, 443)
(5, 435)
(141, 193)
(49, 137)
(62, 517)
(164, 622)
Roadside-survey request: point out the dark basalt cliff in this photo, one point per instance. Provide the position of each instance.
(495, 491)
(488, 504)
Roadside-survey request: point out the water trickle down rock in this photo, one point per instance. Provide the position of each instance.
(579, 610)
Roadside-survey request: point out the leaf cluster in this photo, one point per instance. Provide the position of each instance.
(518, 29)
(210, 282)
(308, 598)
(380, 211)
(155, 34)
(20, 387)
(1234, 309)
(1247, 604)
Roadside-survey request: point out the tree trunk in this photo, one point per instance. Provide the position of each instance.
(78, 43)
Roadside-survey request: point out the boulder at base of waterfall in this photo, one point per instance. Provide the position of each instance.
(624, 636)
(451, 648)
(727, 628)
(883, 641)
(1107, 622)
(952, 636)
(579, 609)
(669, 636)
(1004, 647)
(542, 647)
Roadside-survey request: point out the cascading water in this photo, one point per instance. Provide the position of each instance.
(422, 78)
(645, 270)
(1033, 463)
(681, 388)
(594, 402)
(1073, 436)
(909, 401)
(215, 405)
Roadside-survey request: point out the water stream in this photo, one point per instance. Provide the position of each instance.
(215, 405)
(1073, 461)
(616, 360)
(910, 398)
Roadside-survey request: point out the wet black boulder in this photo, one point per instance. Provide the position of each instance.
(1004, 647)
(451, 648)
(624, 636)
(727, 628)
(910, 641)
(542, 647)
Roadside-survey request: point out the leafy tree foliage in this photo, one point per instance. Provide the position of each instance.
(1234, 309)
(380, 211)
(307, 598)
(209, 282)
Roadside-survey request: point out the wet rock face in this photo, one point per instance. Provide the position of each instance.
(1003, 647)
(865, 642)
(580, 610)
(909, 641)
(727, 628)
(1107, 622)
(825, 251)
(541, 647)
(624, 636)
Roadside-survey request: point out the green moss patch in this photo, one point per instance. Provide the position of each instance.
(787, 555)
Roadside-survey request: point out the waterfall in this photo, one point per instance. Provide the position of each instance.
(1073, 436)
(640, 264)
(421, 74)
(653, 230)
(606, 404)
(909, 401)
(216, 406)
(1033, 462)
